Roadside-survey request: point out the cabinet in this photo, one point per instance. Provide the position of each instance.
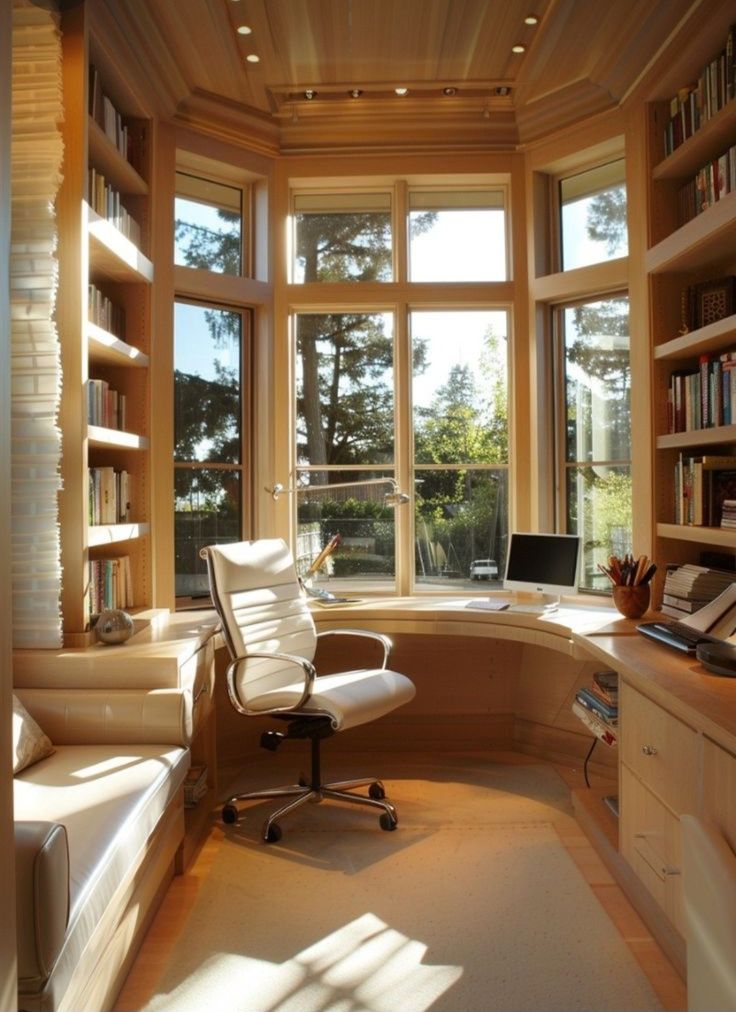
(100, 263)
(681, 256)
(658, 783)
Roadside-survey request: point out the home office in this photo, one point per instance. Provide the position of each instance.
(291, 254)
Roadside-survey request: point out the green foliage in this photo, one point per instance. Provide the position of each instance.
(606, 219)
(210, 249)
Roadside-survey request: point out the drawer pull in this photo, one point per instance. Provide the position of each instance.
(649, 749)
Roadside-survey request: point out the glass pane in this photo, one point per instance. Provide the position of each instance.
(351, 506)
(593, 214)
(457, 243)
(460, 387)
(345, 389)
(599, 510)
(208, 225)
(342, 237)
(207, 383)
(207, 511)
(461, 524)
(598, 381)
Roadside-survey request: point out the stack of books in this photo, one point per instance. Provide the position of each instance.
(597, 707)
(195, 785)
(728, 514)
(689, 588)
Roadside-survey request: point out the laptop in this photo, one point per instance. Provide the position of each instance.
(713, 623)
(676, 634)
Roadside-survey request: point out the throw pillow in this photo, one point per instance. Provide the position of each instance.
(29, 742)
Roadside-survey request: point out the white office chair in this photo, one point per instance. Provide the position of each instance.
(272, 641)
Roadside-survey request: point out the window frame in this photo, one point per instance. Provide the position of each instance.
(399, 297)
(555, 207)
(245, 465)
(558, 380)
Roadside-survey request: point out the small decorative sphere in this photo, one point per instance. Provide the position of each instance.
(114, 626)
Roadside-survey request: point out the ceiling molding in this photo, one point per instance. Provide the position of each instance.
(566, 107)
(230, 121)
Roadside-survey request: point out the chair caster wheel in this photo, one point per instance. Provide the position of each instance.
(376, 791)
(272, 834)
(388, 823)
(229, 814)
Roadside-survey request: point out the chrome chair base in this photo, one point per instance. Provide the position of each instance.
(303, 793)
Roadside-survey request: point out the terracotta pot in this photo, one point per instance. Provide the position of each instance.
(632, 601)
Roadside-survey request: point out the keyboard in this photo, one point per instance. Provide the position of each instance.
(676, 634)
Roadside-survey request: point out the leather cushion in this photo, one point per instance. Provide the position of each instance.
(109, 799)
(349, 697)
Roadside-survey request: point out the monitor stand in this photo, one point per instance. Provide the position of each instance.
(548, 605)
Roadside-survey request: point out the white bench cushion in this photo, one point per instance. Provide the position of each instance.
(110, 799)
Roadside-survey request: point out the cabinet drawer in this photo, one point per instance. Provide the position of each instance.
(650, 842)
(660, 749)
(719, 789)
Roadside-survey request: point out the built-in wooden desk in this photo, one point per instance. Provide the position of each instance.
(677, 722)
(563, 630)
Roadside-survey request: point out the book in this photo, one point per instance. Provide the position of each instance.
(605, 685)
(604, 711)
(601, 730)
(684, 603)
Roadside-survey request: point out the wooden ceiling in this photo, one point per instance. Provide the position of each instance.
(581, 58)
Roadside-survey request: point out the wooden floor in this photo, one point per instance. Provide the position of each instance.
(171, 918)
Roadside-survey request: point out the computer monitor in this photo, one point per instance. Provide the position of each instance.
(543, 564)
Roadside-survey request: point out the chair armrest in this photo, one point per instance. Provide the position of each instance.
(42, 897)
(385, 641)
(308, 671)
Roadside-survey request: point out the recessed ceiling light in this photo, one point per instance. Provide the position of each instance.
(310, 93)
(531, 19)
(449, 91)
(401, 91)
(503, 89)
(252, 58)
(518, 48)
(244, 29)
(355, 93)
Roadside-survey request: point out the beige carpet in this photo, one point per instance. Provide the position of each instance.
(472, 905)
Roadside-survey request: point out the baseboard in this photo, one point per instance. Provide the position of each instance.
(599, 826)
(557, 744)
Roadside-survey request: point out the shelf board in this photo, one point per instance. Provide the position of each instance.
(719, 536)
(109, 534)
(704, 240)
(708, 142)
(113, 255)
(116, 438)
(114, 166)
(698, 342)
(697, 437)
(106, 347)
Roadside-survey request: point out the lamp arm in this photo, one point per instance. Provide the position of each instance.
(308, 670)
(385, 641)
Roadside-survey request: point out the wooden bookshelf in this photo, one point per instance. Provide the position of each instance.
(93, 251)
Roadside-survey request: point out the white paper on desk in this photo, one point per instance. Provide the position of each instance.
(718, 617)
(494, 604)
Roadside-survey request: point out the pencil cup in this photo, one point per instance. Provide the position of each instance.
(632, 602)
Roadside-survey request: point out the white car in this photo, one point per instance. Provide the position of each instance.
(484, 569)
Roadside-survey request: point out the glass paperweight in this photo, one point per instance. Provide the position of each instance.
(114, 626)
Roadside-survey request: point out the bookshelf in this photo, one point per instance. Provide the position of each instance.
(105, 317)
(680, 256)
